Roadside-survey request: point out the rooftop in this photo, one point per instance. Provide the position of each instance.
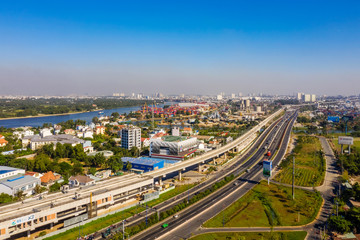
(142, 160)
(18, 180)
(5, 169)
(173, 138)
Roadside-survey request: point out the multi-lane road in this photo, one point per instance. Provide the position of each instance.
(232, 168)
(192, 217)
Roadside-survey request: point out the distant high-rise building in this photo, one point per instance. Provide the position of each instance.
(240, 94)
(313, 98)
(247, 103)
(306, 97)
(130, 137)
(219, 97)
(233, 95)
(299, 96)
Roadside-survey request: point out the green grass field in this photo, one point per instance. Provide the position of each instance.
(309, 164)
(298, 235)
(269, 205)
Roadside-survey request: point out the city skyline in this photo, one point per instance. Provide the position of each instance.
(179, 48)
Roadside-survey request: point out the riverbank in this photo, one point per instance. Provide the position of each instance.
(49, 115)
(38, 121)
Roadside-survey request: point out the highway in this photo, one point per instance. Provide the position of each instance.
(192, 217)
(240, 161)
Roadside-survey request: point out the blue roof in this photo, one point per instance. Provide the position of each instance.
(142, 160)
(6, 169)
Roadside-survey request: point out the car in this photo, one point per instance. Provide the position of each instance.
(248, 170)
(176, 216)
(165, 225)
(236, 183)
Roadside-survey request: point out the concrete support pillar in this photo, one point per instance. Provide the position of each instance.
(199, 167)
(349, 149)
(28, 233)
(160, 181)
(214, 161)
(180, 175)
(51, 225)
(225, 155)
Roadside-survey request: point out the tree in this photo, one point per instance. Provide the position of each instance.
(128, 166)
(37, 189)
(5, 198)
(66, 168)
(92, 171)
(134, 151)
(98, 160)
(353, 215)
(115, 115)
(19, 195)
(55, 187)
(78, 168)
(115, 163)
(339, 224)
(95, 120)
(42, 161)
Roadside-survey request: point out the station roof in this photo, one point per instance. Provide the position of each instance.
(174, 138)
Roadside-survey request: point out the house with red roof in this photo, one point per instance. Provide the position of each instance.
(3, 142)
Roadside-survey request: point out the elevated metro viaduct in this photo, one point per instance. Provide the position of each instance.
(23, 218)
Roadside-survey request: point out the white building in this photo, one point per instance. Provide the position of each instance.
(172, 147)
(18, 183)
(22, 134)
(247, 103)
(88, 134)
(299, 96)
(6, 172)
(313, 98)
(219, 97)
(306, 98)
(130, 137)
(45, 132)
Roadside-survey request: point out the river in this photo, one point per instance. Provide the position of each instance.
(39, 121)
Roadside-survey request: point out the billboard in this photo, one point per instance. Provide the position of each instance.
(21, 220)
(345, 140)
(75, 220)
(267, 168)
(334, 119)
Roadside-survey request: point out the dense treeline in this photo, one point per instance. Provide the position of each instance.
(347, 220)
(351, 162)
(32, 107)
(68, 160)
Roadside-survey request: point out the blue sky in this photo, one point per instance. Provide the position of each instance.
(100, 47)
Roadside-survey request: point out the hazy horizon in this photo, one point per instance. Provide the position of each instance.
(185, 47)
